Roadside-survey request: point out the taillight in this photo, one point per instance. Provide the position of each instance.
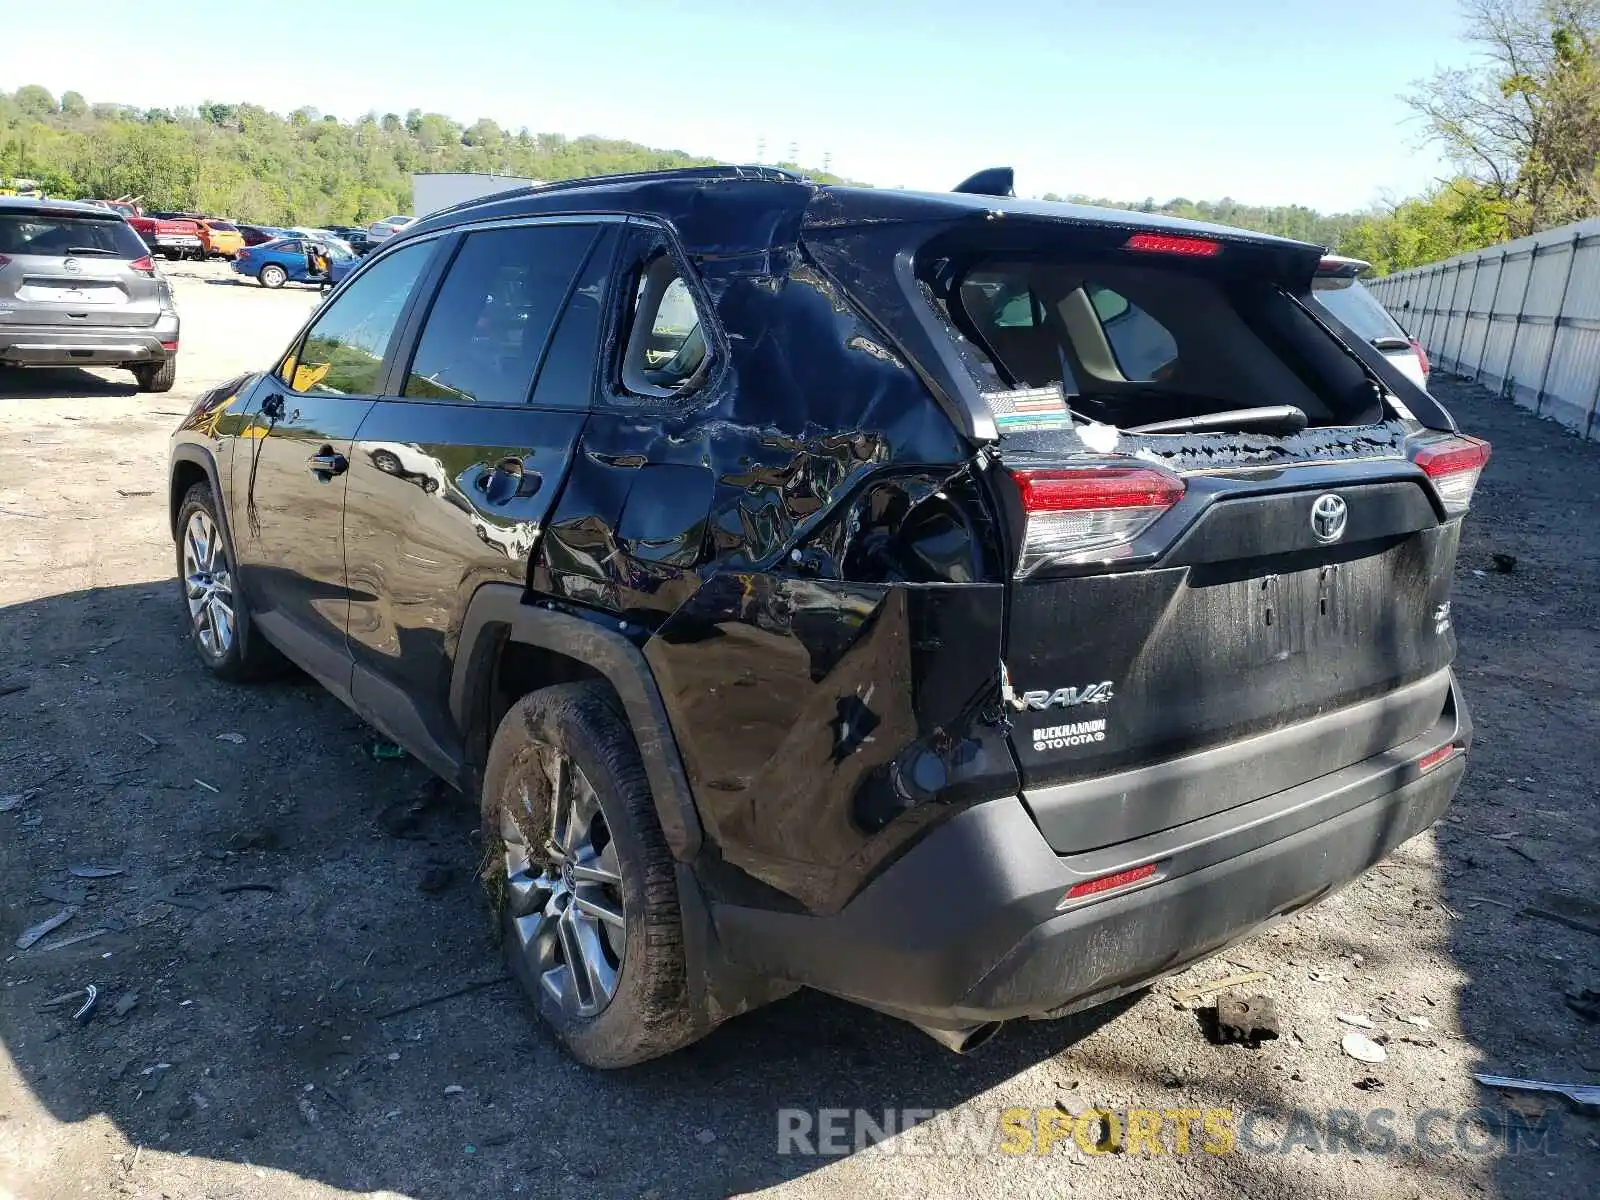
(144, 264)
(1454, 463)
(1167, 243)
(4, 261)
(1089, 513)
(1422, 357)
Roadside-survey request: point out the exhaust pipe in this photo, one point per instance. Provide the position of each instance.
(965, 1039)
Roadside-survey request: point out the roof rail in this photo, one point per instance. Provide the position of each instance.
(720, 171)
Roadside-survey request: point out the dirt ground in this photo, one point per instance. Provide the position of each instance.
(298, 995)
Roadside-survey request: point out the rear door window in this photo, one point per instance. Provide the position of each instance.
(566, 377)
(344, 349)
(487, 329)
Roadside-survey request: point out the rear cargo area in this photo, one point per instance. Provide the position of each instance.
(1231, 560)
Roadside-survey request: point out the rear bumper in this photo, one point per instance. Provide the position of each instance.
(969, 926)
(87, 345)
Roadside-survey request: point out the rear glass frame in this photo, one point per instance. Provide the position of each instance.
(1372, 319)
(1252, 342)
(107, 234)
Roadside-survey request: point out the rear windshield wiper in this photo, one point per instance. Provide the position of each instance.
(1278, 418)
(89, 250)
(1386, 344)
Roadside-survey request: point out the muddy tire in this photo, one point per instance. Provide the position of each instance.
(570, 832)
(156, 377)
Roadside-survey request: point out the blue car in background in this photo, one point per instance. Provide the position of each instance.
(273, 264)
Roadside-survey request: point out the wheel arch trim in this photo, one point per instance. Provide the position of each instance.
(189, 452)
(497, 613)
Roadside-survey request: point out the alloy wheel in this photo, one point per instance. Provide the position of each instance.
(208, 585)
(564, 909)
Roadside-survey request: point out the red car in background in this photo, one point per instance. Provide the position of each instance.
(173, 238)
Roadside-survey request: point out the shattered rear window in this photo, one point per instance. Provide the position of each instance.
(1134, 342)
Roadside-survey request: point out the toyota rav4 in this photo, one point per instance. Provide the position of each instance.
(973, 607)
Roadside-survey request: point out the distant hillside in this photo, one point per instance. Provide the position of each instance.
(242, 161)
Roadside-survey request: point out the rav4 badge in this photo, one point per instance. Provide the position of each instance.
(1067, 697)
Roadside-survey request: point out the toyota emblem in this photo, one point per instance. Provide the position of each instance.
(1329, 515)
(72, 266)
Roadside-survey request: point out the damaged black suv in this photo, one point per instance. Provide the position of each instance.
(972, 607)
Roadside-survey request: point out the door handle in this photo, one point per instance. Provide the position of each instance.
(326, 464)
(508, 480)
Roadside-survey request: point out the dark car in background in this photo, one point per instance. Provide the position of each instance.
(972, 607)
(354, 236)
(78, 288)
(255, 235)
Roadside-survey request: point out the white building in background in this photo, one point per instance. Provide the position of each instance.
(433, 190)
(1521, 318)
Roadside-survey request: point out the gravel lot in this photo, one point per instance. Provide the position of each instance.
(349, 1031)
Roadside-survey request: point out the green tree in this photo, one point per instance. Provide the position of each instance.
(34, 101)
(1456, 217)
(1523, 121)
(73, 104)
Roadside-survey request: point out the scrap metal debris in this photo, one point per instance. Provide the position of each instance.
(17, 799)
(1584, 1095)
(236, 739)
(231, 888)
(1363, 1049)
(1247, 1019)
(61, 943)
(63, 998)
(89, 871)
(33, 933)
(1189, 995)
(1545, 914)
(91, 997)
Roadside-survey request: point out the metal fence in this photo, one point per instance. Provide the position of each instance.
(1522, 318)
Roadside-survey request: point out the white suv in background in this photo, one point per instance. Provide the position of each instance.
(1337, 287)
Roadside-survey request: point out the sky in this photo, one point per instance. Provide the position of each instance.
(1288, 101)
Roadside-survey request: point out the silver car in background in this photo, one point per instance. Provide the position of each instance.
(387, 227)
(1337, 287)
(78, 288)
